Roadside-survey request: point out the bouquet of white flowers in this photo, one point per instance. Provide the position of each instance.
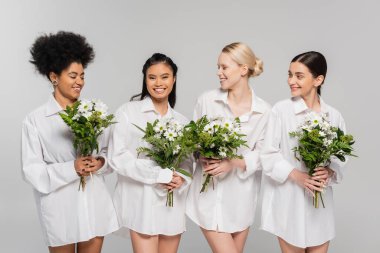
(318, 142)
(87, 120)
(217, 138)
(170, 144)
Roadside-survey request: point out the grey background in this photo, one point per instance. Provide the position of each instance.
(126, 33)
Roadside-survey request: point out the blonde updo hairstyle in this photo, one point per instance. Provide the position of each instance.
(243, 55)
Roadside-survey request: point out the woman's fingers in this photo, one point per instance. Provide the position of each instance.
(210, 167)
(314, 185)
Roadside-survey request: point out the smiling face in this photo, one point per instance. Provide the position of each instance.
(302, 82)
(230, 73)
(159, 81)
(68, 84)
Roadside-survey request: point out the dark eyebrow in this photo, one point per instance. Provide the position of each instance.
(300, 73)
(76, 73)
(164, 74)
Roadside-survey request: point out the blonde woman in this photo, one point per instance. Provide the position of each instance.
(225, 212)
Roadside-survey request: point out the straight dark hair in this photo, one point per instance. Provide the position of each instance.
(155, 59)
(315, 62)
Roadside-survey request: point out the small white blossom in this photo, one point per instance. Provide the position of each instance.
(85, 107)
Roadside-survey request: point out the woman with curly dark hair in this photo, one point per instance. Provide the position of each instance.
(70, 219)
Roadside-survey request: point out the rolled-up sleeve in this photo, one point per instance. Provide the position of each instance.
(273, 162)
(44, 177)
(121, 159)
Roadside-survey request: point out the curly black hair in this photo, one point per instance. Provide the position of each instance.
(55, 52)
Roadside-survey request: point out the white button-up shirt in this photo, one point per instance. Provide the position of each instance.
(287, 210)
(66, 214)
(231, 205)
(139, 199)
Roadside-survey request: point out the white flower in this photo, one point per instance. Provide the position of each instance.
(159, 128)
(85, 106)
(228, 124)
(212, 145)
(322, 134)
(170, 135)
(87, 114)
(176, 149)
(222, 152)
(209, 129)
(100, 107)
(327, 142)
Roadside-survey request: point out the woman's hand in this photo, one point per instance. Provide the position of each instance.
(323, 174)
(88, 164)
(216, 167)
(305, 181)
(177, 181)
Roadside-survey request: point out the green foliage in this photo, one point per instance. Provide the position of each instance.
(170, 144)
(216, 138)
(85, 130)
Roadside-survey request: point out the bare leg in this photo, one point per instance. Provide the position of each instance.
(144, 243)
(318, 249)
(220, 242)
(288, 248)
(91, 246)
(69, 248)
(239, 239)
(168, 244)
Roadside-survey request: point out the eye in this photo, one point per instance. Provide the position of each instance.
(151, 78)
(300, 77)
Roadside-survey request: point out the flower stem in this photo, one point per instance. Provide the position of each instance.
(206, 182)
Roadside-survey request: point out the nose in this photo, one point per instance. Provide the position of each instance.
(219, 72)
(79, 80)
(291, 80)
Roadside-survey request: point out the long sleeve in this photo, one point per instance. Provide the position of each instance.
(121, 159)
(44, 177)
(103, 151)
(186, 165)
(252, 159)
(273, 162)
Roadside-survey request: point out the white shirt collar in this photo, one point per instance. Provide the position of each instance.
(257, 105)
(52, 106)
(148, 106)
(299, 105)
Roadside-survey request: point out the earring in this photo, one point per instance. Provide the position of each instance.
(55, 83)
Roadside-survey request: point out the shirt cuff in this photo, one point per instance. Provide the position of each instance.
(164, 175)
(104, 168)
(251, 160)
(281, 171)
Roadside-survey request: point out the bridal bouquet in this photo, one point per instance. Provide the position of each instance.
(217, 138)
(170, 144)
(318, 142)
(87, 120)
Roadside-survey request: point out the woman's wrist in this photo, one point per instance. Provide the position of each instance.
(238, 163)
